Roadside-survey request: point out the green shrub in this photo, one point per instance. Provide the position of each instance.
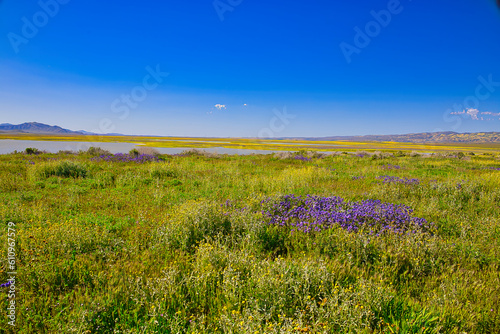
(67, 169)
(173, 183)
(202, 221)
(272, 240)
(31, 150)
(134, 153)
(162, 171)
(96, 151)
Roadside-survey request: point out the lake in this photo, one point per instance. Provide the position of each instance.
(9, 146)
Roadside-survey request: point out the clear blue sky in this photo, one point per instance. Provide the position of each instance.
(74, 65)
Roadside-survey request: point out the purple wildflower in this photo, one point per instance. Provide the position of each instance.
(120, 157)
(389, 167)
(314, 214)
(302, 158)
(4, 285)
(395, 179)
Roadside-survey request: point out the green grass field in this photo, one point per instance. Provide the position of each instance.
(181, 245)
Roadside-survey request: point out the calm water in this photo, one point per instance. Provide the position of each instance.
(9, 146)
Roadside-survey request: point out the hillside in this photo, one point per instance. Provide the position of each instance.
(427, 137)
(34, 127)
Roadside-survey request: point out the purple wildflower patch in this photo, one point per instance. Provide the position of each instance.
(390, 167)
(315, 214)
(302, 158)
(120, 157)
(395, 179)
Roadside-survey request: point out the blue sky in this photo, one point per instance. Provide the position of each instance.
(73, 63)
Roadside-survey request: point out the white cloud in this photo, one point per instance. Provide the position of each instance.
(475, 114)
(216, 107)
(471, 112)
(494, 114)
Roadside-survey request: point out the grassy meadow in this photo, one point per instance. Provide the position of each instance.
(185, 244)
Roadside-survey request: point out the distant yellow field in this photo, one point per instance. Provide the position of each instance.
(259, 144)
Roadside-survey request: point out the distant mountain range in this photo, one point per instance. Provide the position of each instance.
(40, 128)
(427, 137)
(34, 127)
